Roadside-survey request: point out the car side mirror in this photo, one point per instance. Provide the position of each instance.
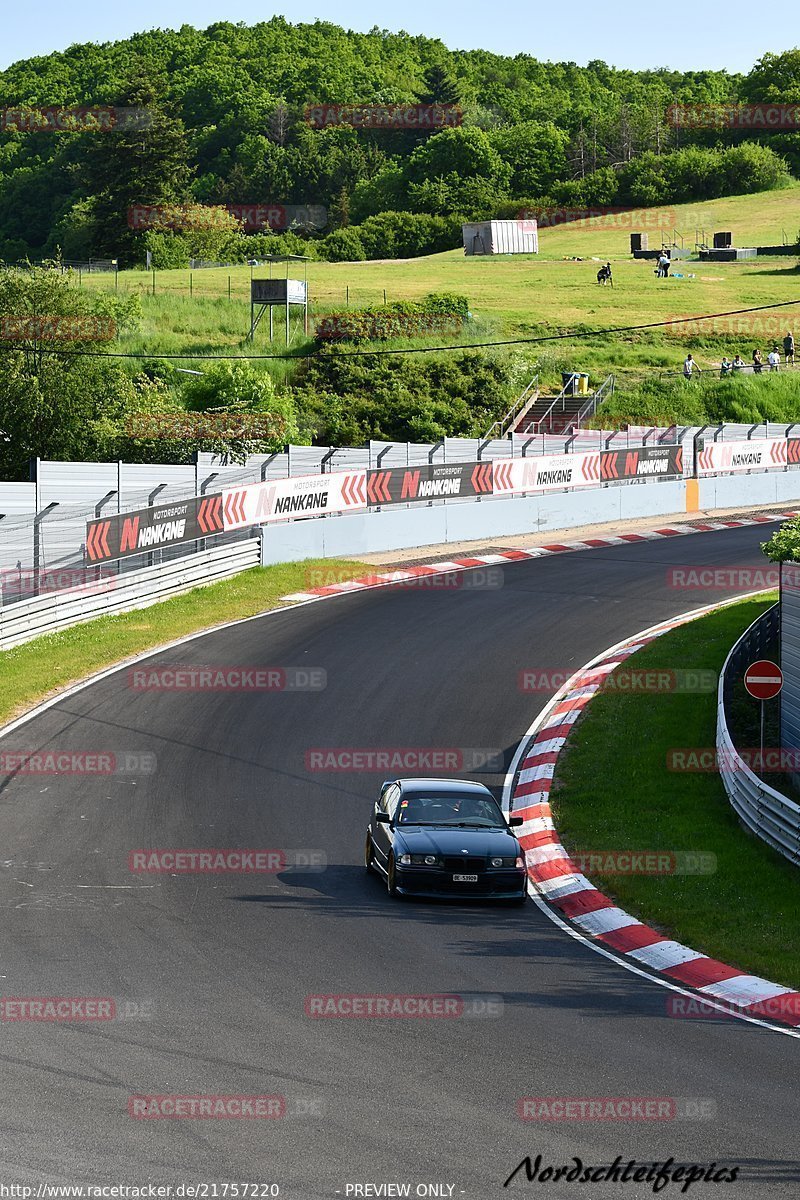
(383, 818)
(516, 820)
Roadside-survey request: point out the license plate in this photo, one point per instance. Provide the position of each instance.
(465, 879)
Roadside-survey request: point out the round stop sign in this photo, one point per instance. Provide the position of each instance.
(763, 679)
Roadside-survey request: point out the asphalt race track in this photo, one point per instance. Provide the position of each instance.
(214, 969)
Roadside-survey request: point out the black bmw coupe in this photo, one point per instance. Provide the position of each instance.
(444, 837)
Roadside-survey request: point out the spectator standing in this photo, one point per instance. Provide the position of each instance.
(774, 359)
(725, 367)
(788, 349)
(688, 366)
(758, 362)
(738, 363)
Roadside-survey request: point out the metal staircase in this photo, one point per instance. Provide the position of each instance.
(518, 411)
(565, 412)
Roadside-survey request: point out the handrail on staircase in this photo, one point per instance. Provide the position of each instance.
(549, 411)
(503, 427)
(605, 390)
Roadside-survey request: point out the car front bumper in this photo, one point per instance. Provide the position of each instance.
(491, 885)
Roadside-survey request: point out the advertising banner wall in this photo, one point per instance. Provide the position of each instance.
(400, 485)
(299, 496)
(135, 532)
(643, 462)
(747, 455)
(546, 472)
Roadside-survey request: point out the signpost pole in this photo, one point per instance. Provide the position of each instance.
(763, 680)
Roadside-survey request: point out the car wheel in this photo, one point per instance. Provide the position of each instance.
(391, 879)
(369, 856)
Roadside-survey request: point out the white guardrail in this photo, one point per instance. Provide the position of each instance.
(766, 812)
(56, 610)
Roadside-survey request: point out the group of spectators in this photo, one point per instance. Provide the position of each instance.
(732, 366)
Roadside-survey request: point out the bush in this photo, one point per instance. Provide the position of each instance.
(397, 398)
(393, 235)
(168, 251)
(446, 302)
(259, 245)
(343, 245)
(438, 314)
(407, 235)
(694, 173)
(701, 173)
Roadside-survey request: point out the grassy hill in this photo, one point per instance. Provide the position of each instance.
(517, 296)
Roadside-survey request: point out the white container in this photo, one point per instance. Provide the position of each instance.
(500, 237)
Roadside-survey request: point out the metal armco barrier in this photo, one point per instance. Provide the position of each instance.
(766, 812)
(790, 659)
(120, 593)
(75, 521)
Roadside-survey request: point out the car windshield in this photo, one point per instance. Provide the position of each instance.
(459, 810)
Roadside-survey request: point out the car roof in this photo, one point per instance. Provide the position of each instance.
(444, 786)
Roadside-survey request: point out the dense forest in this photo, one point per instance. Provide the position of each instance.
(229, 125)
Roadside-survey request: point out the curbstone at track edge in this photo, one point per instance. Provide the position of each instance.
(574, 903)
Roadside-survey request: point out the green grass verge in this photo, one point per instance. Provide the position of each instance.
(612, 791)
(38, 669)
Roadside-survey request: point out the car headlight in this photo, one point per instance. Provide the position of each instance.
(518, 862)
(405, 860)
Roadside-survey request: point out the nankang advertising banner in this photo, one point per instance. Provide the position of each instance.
(137, 532)
(298, 496)
(642, 462)
(546, 472)
(439, 481)
(558, 472)
(755, 455)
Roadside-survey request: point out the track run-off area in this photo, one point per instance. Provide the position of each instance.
(213, 975)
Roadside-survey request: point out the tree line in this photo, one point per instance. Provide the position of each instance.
(228, 124)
